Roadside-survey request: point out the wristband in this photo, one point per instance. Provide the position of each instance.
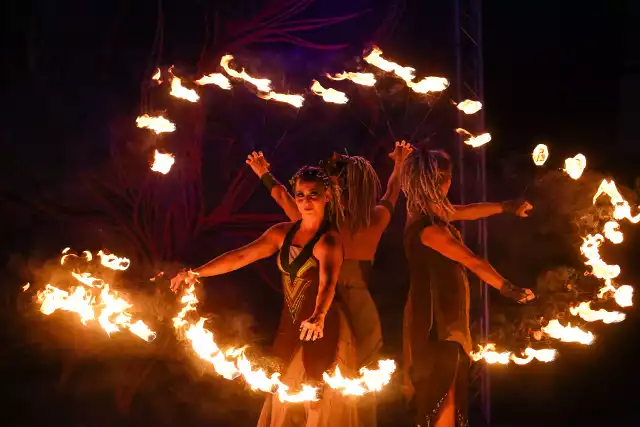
(269, 181)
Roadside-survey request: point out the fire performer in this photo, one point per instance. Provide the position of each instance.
(314, 334)
(436, 335)
(361, 225)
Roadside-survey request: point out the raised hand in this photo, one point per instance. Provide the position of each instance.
(258, 163)
(401, 151)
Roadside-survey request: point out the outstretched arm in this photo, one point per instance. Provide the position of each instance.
(482, 210)
(264, 246)
(440, 239)
(278, 192)
(382, 212)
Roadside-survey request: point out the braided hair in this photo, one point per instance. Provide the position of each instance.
(421, 181)
(363, 189)
(335, 211)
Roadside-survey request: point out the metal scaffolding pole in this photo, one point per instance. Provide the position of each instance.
(471, 170)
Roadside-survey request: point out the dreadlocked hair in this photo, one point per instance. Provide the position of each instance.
(421, 180)
(362, 189)
(335, 211)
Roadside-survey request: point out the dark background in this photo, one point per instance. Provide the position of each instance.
(565, 74)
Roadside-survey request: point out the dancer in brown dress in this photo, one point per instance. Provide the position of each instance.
(313, 335)
(437, 341)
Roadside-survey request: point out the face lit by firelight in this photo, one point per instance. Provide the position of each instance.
(311, 198)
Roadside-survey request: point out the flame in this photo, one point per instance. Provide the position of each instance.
(490, 355)
(158, 124)
(88, 280)
(474, 141)
(108, 308)
(157, 76)
(591, 250)
(25, 287)
(329, 95)
(574, 166)
(295, 100)
(364, 79)
(567, 333)
(375, 58)
(162, 162)
(622, 209)
(624, 296)
(263, 85)
(469, 107)
(540, 154)
(88, 256)
(585, 311)
(429, 84)
(182, 92)
(233, 363)
(114, 262)
(612, 232)
(217, 79)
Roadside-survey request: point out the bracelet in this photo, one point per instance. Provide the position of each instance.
(269, 181)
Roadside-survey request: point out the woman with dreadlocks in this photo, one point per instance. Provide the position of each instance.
(361, 224)
(314, 334)
(436, 337)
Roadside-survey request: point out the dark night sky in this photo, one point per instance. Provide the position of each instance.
(552, 73)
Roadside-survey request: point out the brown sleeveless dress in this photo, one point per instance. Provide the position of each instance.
(436, 333)
(305, 361)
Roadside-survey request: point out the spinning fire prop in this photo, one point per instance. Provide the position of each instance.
(92, 299)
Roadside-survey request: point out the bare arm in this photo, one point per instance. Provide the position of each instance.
(382, 215)
(263, 247)
(440, 239)
(517, 207)
(329, 254)
(278, 192)
(476, 211)
(285, 200)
